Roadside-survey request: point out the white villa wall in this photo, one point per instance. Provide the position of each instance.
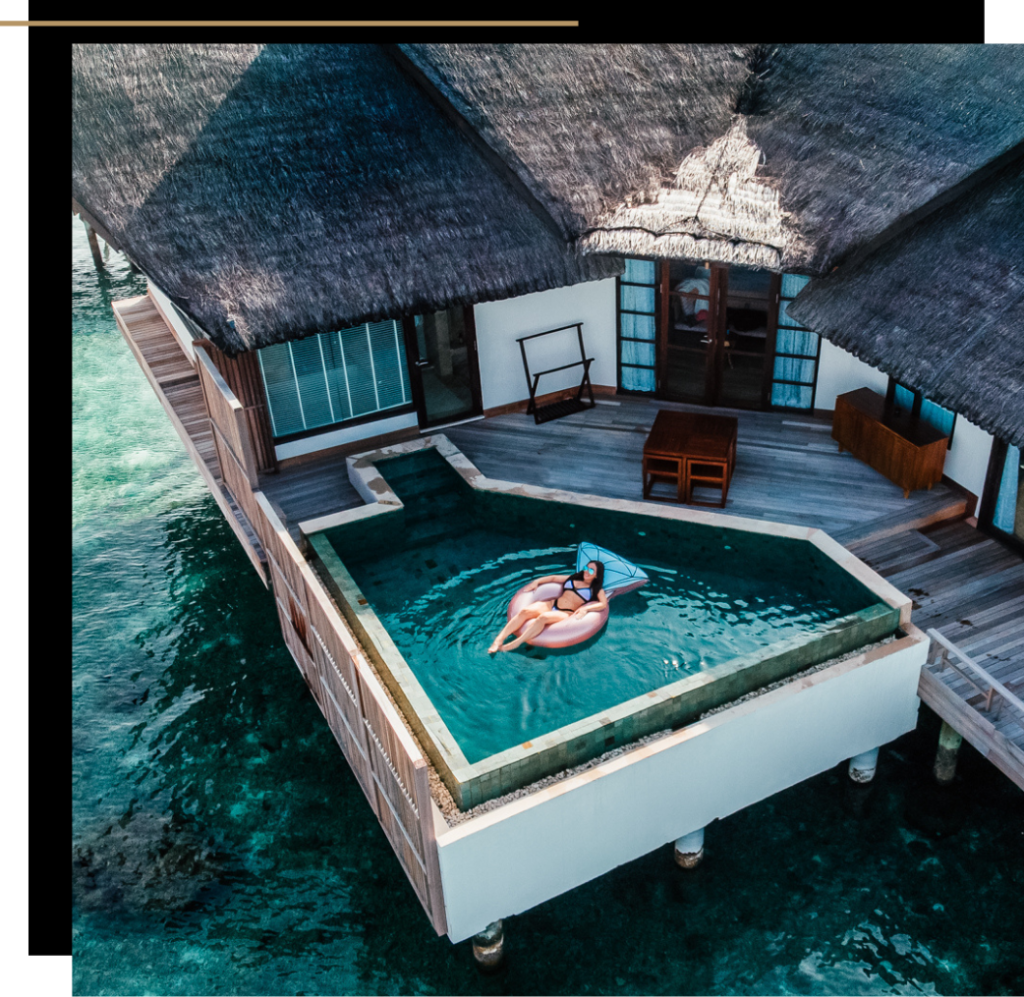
(967, 459)
(500, 323)
(349, 434)
(511, 859)
(840, 371)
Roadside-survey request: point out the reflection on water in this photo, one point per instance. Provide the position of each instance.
(221, 845)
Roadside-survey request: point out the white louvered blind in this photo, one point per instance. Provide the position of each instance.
(334, 376)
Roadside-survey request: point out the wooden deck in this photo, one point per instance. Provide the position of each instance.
(969, 587)
(788, 469)
(176, 383)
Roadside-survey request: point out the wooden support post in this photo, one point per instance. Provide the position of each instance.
(945, 757)
(489, 946)
(94, 245)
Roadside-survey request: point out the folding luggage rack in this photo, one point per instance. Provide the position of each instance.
(564, 406)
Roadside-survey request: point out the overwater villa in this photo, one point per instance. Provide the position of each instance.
(430, 317)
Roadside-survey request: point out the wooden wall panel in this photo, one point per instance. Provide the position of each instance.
(242, 374)
(387, 762)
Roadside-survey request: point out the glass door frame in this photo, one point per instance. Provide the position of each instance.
(416, 363)
(717, 327)
(990, 496)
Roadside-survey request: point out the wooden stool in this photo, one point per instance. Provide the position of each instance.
(705, 471)
(671, 470)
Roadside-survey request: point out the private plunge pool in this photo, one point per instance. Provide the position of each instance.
(425, 570)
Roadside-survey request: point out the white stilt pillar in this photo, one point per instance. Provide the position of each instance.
(489, 946)
(689, 849)
(862, 766)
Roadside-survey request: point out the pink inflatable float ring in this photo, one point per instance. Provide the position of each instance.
(564, 633)
(620, 576)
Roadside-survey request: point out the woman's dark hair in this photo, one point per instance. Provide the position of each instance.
(598, 582)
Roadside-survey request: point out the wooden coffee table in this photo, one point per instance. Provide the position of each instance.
(688, 449)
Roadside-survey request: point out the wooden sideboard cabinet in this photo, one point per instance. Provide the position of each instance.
(908, 451)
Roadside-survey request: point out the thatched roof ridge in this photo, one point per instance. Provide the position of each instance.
(588, 126)
(939, 306)
(700, 216)
(851, 137)
(278, 191)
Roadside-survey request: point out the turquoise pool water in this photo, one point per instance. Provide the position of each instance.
(220, 844)
(441, 588)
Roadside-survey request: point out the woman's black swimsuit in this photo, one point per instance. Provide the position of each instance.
(569, 585)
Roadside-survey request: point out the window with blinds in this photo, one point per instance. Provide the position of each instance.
(797, 351)
(637, 327)
(942, 419)
(334, 377)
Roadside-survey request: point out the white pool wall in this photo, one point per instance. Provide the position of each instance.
(516, 857)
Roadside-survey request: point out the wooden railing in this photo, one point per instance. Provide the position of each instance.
(388, 764)
(242, 376)
(974, 675)
(230, 436)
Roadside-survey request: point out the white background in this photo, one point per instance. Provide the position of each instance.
(51, 976)
(28, 976)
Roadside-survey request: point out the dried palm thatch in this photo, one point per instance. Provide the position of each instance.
(649, 150)
(939, 306)
(590, 126)
(278, 191)
(715, 209)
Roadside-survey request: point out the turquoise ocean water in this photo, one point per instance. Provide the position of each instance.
(220, 844)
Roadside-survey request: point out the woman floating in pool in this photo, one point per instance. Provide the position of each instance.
(581, 594)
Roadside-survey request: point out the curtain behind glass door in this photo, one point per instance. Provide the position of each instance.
(637, 326)
(1009, 511)
(796, 353)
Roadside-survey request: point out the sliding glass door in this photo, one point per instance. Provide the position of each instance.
(1004, 493)
(445, 376)
(745, 364)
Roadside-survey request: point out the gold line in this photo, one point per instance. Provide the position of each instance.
(289, 24)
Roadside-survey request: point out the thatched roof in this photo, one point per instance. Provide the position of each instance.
(785, 156)
(590, 126)
(940, 306)
(277, 191)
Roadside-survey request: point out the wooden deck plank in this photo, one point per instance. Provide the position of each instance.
(176, 384)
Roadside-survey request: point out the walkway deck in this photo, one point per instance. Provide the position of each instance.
(971, 589)
(176, 384)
